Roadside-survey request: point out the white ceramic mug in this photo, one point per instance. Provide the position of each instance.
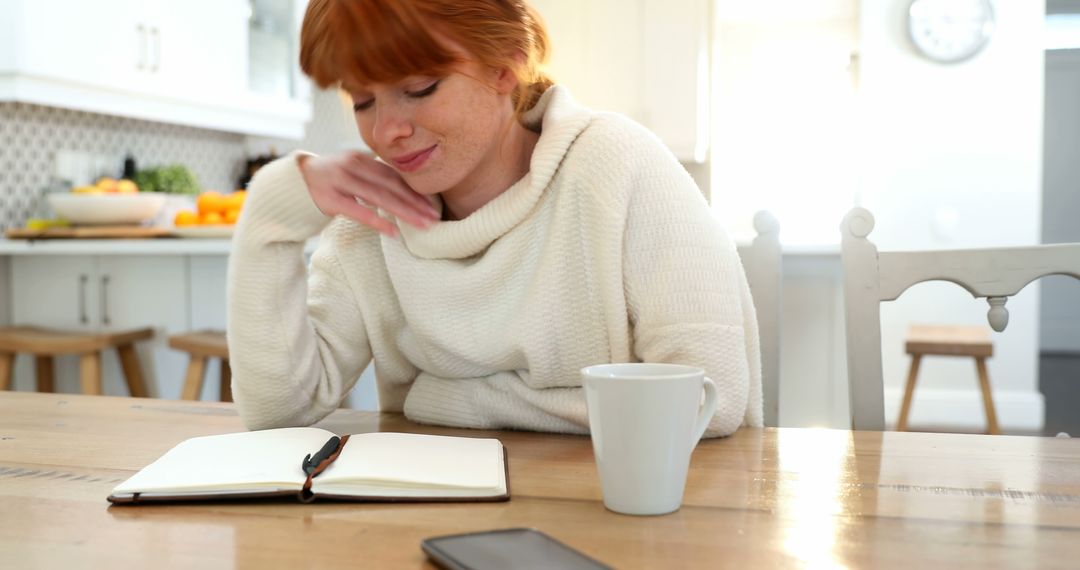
(645, 420)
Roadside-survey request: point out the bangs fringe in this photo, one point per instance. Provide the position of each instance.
(358, 42)
(340, 43)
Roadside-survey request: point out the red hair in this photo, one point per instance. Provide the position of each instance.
(384, 41)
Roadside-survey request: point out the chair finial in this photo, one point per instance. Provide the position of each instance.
(998, 315)
(765, 223)
(859, 222)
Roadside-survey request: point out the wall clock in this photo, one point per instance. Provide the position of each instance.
(950, 31)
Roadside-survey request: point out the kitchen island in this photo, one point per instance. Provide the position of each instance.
(171, 285)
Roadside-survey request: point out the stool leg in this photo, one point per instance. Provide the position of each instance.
(90, 373)
(129, 361)
(226, 380)
(194, 379)
(43, 365)
(909, 391)
(988, 398)
(7, 367)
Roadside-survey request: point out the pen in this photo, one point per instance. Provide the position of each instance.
(310, 463)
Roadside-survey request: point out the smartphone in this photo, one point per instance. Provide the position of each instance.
(505, 549)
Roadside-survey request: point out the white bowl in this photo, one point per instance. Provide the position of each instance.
(101, 209)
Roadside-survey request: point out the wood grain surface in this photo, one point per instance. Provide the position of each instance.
(764, 498)
(89, 232)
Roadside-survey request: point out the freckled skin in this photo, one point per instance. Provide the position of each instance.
(468, 118)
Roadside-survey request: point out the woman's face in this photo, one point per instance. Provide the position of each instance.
(438, 132)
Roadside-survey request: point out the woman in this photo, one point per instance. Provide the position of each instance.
(504, 238)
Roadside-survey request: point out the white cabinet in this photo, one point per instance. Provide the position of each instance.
(60, 291)
(93, 293)
(647, 59)
(87, 44)
(161, 60)
(200, 47)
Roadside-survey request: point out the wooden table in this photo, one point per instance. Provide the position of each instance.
(760, 499)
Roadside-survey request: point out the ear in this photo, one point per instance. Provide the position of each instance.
(505, 80)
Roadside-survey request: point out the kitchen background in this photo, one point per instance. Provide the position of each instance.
(802, 107)
(32, 136)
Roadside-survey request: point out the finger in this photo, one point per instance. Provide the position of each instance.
(350, 208)
(391, 203)
(370, 170)
(378, 194)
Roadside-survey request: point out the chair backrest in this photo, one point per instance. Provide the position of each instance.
(762, 263)
(871, 277)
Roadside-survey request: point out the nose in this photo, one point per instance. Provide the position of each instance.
(392, 123)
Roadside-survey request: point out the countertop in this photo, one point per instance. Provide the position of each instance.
(190, 246)
(150, 246)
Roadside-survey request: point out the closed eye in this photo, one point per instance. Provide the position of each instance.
(420, 94)
(425, 91)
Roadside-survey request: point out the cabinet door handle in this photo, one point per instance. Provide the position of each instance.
(143, 46)
(105, 300)
(156, 33)
(83, 318)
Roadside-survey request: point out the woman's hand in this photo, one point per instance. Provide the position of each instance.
(337, 182)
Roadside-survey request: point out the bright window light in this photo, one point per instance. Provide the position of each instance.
(783, 121)
(1062, 31)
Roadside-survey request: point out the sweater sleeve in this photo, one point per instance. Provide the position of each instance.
(687, 295)
(294, 353)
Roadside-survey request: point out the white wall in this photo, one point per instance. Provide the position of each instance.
(1060, 316)
(646, 59)
(952, 158)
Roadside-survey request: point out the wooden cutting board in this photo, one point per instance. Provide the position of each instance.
(89, 232)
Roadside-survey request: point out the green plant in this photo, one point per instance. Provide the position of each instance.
(172, 179)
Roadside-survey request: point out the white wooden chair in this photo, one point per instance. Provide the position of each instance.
(871, 277)
(762, 262)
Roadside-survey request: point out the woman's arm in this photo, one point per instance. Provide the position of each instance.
(687, 295)
(294, 352)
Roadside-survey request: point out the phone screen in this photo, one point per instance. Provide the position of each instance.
(502, 549)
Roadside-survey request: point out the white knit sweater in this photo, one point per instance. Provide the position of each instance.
(604, 252)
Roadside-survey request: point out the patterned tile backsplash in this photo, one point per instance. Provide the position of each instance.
(31, 136)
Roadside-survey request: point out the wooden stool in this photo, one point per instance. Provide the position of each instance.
(925, 340)
(45, 344)
(201, 346)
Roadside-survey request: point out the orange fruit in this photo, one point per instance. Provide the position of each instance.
(211, 218)
(231, 215)
(235, 201)
(186, 218)
(210, 201)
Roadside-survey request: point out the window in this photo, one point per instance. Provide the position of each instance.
(783, 115)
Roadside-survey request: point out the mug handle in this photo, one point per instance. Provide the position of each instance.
(708, 409)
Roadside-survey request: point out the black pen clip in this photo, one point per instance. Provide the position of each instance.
(312, 463)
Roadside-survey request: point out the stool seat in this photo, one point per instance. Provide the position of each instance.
(201, 345)
(46, 343)
(949, 340)
(40, 340)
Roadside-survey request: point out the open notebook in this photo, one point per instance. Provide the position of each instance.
(312, 463)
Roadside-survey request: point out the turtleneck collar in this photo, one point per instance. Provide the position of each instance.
(560, 120)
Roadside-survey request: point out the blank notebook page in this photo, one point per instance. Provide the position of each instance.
(411, 460)
(236, 460)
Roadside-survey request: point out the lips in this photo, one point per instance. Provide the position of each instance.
(412, 161)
